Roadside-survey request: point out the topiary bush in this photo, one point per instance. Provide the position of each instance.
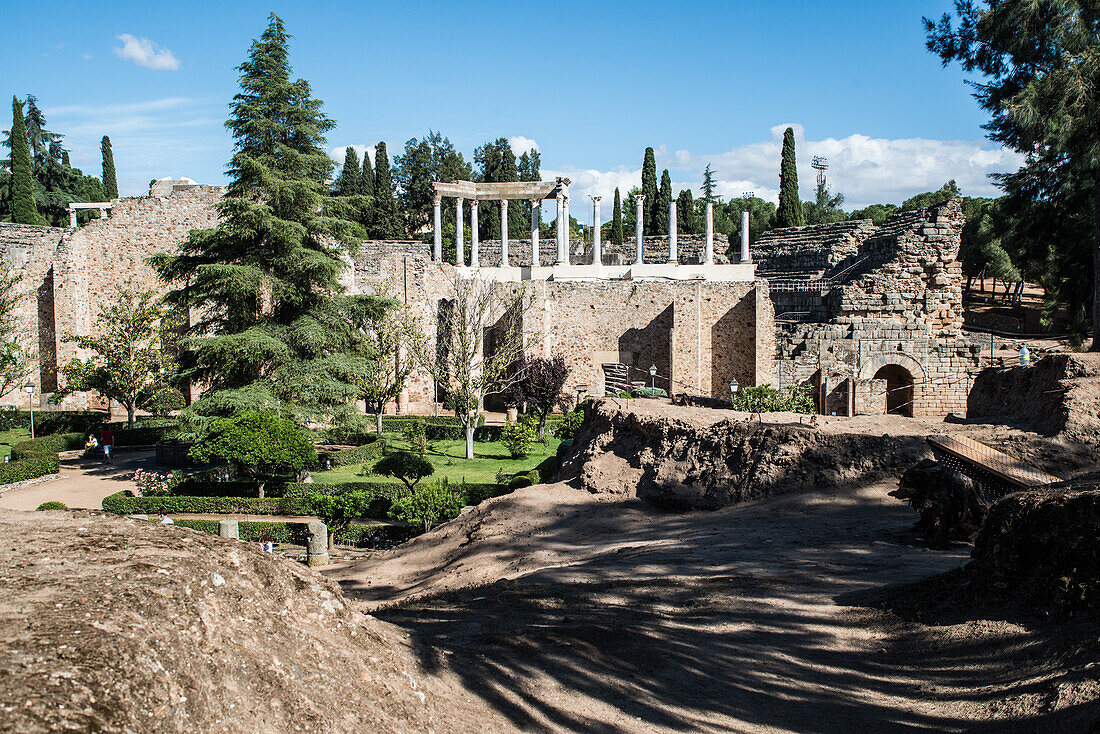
(360, 454)
(32, 467)
(407, 467)
(52, 505)
(259, 444)
(517, 438)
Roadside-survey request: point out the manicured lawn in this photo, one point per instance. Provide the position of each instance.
(9, 438)
(448, 459)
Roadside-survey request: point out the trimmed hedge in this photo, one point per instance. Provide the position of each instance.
(47, 422)
(358, 455)
(360, 536)
(124, 503)
(52, 505)
(32, 467)
(47, 445)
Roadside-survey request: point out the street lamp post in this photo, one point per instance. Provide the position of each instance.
(652, 374)
(734, 387)
(29, 387)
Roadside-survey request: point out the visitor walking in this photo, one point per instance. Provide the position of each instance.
(106, 438)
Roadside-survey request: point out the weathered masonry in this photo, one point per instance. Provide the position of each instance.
(872, 317)
(685, 310)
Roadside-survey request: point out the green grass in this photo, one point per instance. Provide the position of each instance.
(448, 458)
(10, 438)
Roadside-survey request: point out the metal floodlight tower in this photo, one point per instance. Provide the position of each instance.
(748, 195)
(820, 164)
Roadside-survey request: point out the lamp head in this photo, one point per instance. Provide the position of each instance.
(734, 387)
(29, 387)
(653, 370)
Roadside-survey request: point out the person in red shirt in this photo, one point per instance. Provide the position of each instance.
(106, 438)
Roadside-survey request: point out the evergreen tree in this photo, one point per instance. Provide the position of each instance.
(432, 158)
(366, 180)
(273, 331)
(708, 185)
(348, 183)
(649, 190)
(385, 219)
(529, 164)
(37, 135)
(617, 220)
(65, 159)
(23, 209)
(110, 182)
(789, 213)
(660, 208)
(685, 213)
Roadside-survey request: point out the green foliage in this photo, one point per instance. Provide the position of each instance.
(366, 452)
(767, 399)
(761, 219)
(128, 350)
(274, 332)
(110, 180)
(339, 510)
(686, 221)
(361, 536)
(877, 213)
(29, 467)
(789, 212)
(617, 220)
(518, 437)
(386, 221)
(124, 503)
(429, 505)
(649, 392)
(16, 355)
(258, 444)
(414, 432)
(944, 194)
(23, 208)
(47, 445)
(709, 187)
(649, 190)
(567, 429)
(661, 205)
(407, 467)
(431, 158)
(348, 183)
(826, 207)
(52, 505)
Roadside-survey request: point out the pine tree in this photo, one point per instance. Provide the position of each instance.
(23, 208)
(37, 135)
(65, 159)
(649, 190)
(347, 183)
(708, 185)
(110, 183)
(385, 220)
(617, 220)
(660, 209)
(789, 213)
(272, 330)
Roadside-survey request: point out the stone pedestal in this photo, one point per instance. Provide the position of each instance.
(229, 529)
(317, 548)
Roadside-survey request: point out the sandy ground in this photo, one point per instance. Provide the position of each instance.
(571, 612)
(83, 482)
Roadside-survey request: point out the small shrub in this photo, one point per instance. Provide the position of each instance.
(567, 429)
(502, 478)
(517, 438)
(358, 455)
(519, 481)
(415, 433)
(32, 467)
(338, 510)
(767, 399)
(649, 392)
(429, 505)
(153, 484)
(407, 467)
(258, 444)
(52, 505)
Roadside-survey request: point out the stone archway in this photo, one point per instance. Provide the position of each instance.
(899, 388)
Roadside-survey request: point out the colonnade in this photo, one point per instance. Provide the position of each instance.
(562, 234)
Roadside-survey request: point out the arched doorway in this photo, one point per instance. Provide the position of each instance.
(899, 389)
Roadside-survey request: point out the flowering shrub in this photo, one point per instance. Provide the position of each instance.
(152, 484)
(517, 438)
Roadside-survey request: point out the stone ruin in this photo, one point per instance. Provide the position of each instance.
(872, 317)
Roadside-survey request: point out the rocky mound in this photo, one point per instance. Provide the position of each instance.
(117, 625)
(1042, 548)
(684, 464)
(1059, 395)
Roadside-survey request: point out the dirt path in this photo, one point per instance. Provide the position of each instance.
(568, 612)
(83, 482)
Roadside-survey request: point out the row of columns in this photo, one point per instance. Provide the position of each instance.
(562, 234)
(460, 237)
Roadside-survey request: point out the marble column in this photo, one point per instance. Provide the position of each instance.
(673, 254)
(72, 218)
(639, 251)
(561, 255)
(473, 233)
(503, 233)
(745, 256)
(597, 254)
(437, 219)
(708, 252)
(460, 246)
(536, 209)
(565, 227)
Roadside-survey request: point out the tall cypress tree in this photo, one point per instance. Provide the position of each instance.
(685, 213)
(649, 190)
(272, 333)
(789, 213)
(366, 180)
(65, 159)
(617, 220)
(23, 208)
(347, 183)
(110, 183)
(385, 221)
(660, 209)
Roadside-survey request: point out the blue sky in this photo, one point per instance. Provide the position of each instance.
(591, 84)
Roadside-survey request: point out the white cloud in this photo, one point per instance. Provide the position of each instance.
(361, 150)
(144, 52)
(126, 108)
(87, 57)
(521, 145)
(866, 170)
